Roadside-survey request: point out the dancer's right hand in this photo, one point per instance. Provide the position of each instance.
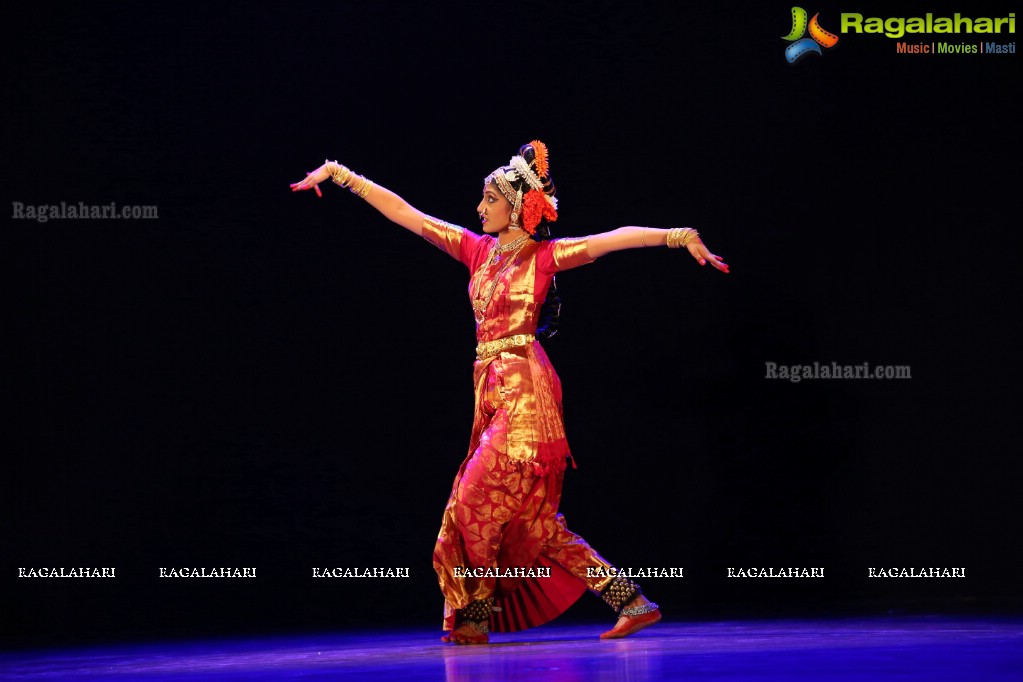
(312, 181)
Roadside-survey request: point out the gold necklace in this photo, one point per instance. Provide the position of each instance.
(496, 252)
(479, 305)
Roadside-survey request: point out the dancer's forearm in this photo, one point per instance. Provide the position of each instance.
(393, 207)
(630, 237)
(396, 209)
(633, 237)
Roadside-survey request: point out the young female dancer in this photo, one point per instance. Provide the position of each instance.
(504, 556)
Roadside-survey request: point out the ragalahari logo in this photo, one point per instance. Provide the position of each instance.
(801, 46)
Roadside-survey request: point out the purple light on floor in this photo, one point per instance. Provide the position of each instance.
(927, 648)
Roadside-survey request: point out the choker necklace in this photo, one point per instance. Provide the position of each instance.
(501, 248)
(495, 253)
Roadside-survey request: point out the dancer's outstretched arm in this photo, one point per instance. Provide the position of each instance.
(632, 237)
(393, 207)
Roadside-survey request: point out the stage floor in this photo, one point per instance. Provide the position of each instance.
(926, 647)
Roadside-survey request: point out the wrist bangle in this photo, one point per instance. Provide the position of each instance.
(344, 177)
(339, 174)
(361, 186)
(681, 236)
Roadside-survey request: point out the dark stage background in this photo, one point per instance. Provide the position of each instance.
(261, 378)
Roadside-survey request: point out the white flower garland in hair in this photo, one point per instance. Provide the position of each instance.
(523, 170)
(526, 173)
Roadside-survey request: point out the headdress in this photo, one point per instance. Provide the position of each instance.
(534, 204)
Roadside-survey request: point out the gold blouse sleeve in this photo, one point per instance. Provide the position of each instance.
(444, 236)
(570, 252)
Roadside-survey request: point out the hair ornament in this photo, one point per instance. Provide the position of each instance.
(540, 149)
(535, 207)
(521, 166)
(531, 203)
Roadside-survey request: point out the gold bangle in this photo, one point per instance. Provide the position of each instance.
(339, 174)
(363, 188)
(672, 239)
(681, 236)
(344, 177)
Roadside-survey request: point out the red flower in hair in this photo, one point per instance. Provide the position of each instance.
(540, 162)
(535, 207)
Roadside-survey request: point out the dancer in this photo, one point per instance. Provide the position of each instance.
(505, 557)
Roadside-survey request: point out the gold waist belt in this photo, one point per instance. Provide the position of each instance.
(489, 349)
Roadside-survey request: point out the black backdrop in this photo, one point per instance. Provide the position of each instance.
(260, 378)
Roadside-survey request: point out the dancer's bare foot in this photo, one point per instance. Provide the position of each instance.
(628, 625)
(466, 634)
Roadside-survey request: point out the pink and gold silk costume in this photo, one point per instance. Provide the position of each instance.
(503, 509)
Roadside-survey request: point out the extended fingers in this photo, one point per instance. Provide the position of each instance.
(717, 262)
(702, 255)
(307, 183)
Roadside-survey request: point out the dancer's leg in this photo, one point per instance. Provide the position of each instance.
(620, 593)
(486, 498)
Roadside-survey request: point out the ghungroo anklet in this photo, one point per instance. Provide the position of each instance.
(619, 592)
(477, 614)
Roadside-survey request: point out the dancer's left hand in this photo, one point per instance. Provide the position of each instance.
(703, 255)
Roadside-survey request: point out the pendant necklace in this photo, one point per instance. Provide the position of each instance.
(480, 304)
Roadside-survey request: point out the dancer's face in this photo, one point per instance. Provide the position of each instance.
(494, 210)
